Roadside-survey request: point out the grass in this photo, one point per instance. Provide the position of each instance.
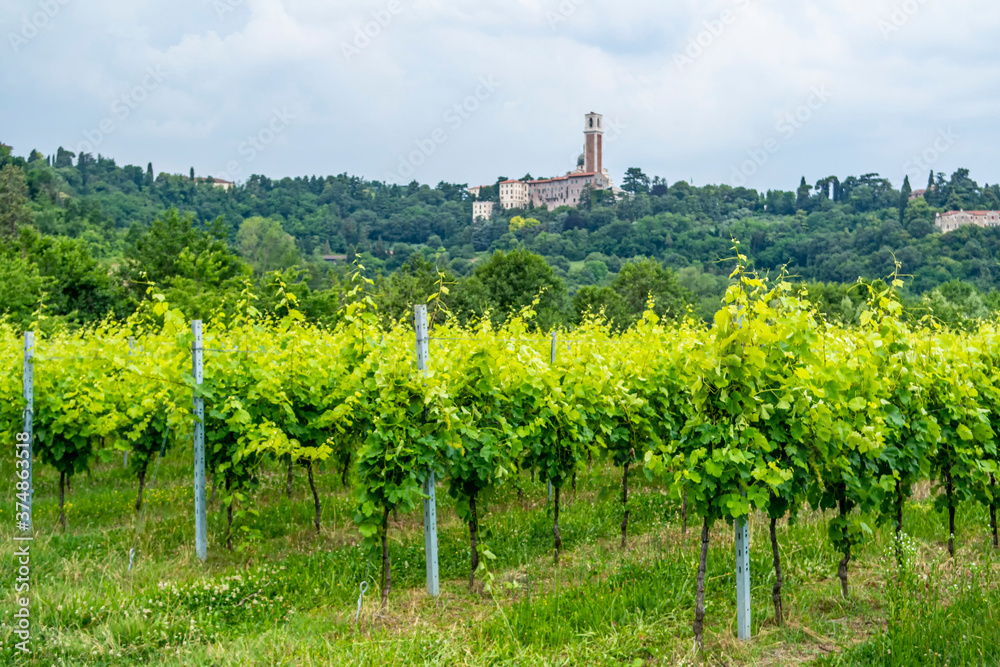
(290, 596)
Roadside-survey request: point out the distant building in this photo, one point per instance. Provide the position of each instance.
(515, 194)
(566, 190)
(335, 258)
(219, 183)
(216, 182)
(917, 194)
(482, 209)
(555, 192)
(952, 220)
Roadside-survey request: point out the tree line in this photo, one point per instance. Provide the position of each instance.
(85, 235)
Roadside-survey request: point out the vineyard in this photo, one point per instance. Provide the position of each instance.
(772, 418)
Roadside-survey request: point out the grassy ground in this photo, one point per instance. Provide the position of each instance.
(289, 597)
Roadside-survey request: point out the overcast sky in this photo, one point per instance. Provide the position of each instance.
(759, 92)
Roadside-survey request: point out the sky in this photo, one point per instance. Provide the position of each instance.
(744, 92)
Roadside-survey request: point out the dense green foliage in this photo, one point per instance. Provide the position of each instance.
(769, 409)
(88, 234)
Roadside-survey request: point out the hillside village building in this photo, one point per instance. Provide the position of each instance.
(214, 182)
(218, 183)
(554, 192)
(481, 208)
(952, 220)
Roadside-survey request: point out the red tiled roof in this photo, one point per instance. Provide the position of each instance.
(971, 213)
(567, 177)
(212, 179)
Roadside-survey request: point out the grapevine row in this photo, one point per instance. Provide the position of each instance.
(769, 409)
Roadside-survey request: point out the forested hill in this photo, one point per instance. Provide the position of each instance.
(89, 233)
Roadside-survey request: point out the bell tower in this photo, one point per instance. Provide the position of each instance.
(593, 147)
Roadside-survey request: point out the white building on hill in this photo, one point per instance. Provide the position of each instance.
(554, 192)
(952, 220)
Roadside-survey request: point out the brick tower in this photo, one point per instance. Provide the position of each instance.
(593, 148)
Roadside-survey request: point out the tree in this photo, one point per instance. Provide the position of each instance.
(74, 413)
(784, 414)
(802, 195)
(146, 428)
(625, 300)
(957, 304)
(156, 251)
(937, 190)
(957, 374)
(22, 287)
(638, 282)
(76, 285)
(405, 425)
(508, 282)
(826, 185)
(991, 200)
(659, 188)
(635, 181)
(918, 218)
(416, 282)
(265, 245)
(600, 301)
(484, 231)
(64, 158)
(490, 448)
(963, 192)
(518, 223)
(719, 457)
(14, 211)
(904, 197)
(196, 267)
(846, 428)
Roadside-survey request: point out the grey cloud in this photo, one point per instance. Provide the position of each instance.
(230, 67)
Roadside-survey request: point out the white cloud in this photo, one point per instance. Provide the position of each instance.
(359, 112)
